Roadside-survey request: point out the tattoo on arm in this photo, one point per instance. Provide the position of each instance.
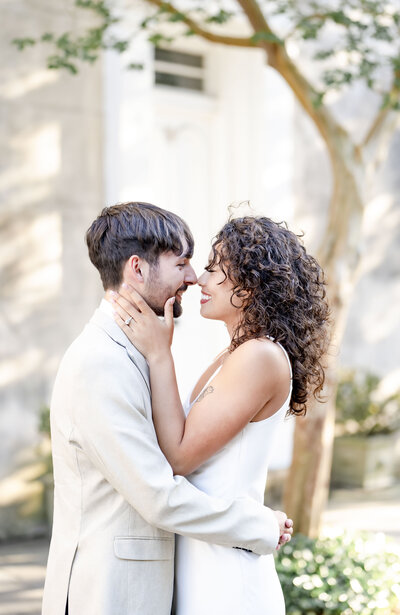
(206, 391)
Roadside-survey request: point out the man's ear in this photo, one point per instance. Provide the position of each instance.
(137, 268)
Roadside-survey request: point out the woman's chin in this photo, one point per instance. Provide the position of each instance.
(204, 312)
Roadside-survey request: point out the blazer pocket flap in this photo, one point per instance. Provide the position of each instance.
(144, 548)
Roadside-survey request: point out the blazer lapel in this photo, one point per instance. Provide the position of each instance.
(105, 322)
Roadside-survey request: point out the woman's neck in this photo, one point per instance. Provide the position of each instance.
(232, 328)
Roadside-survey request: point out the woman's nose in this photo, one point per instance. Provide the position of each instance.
(200, 280)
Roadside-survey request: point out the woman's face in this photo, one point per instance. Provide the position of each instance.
(216, 293)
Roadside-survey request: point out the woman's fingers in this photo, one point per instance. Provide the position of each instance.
(169, 313)
(124, 316)
(133, 298)
(127, 306)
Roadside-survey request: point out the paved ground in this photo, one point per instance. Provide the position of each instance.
(22, 564)
(22, 567)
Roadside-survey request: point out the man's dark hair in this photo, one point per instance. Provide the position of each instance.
(134, 228)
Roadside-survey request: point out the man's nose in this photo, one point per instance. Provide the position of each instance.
(190, 276)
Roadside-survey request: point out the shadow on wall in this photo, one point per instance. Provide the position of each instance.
(51, 188)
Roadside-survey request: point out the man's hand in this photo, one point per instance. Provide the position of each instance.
(285, 527)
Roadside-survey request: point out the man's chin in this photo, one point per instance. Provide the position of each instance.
(176, 310)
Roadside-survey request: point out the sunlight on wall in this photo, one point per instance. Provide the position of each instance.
(46, 152)
(38, 153)
(17, 368)
(30, 82)
(33, 254)
(43, 272)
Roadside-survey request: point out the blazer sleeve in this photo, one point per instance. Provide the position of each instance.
(121, 442)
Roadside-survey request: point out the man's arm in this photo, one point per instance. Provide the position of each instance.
(121, 443)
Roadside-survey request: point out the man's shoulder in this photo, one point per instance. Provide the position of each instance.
(94, 348)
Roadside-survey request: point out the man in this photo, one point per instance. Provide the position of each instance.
(117, 503)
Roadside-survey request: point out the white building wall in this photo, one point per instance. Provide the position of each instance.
(50, 190)
(62, 159)
(197, 153)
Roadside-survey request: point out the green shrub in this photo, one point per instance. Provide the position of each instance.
(44, 420)
(362, 409)
(340, 574)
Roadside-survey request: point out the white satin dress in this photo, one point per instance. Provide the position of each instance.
(216, 580)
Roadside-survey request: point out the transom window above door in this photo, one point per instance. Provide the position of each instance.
(179, 69)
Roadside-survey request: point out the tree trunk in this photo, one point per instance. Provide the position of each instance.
(307, 487)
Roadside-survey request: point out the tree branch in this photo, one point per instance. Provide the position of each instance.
(278, 58)
(383, 113)
(256, 17)
(375, 127)
(206, 34)
(320, 16)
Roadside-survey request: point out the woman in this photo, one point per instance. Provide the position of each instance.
(270, 294)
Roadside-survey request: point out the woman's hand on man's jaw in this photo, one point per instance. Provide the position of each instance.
(151, 335)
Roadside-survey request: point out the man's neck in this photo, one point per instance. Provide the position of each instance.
(107, 296)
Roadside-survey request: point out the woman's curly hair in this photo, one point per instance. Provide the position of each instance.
(281, 289)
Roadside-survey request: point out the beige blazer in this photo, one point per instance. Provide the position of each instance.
(117, 503)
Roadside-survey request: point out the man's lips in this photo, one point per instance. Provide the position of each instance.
(179, 293)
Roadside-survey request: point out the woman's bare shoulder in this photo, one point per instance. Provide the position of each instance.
(259, 349)
(258, 359)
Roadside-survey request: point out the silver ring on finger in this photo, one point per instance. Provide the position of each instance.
(128, 320)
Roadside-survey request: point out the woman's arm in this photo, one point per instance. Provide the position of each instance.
(248, 380)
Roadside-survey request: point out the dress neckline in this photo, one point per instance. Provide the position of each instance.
(214, 373)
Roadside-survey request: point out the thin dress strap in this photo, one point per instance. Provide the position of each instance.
(284, 352)
(287, 357)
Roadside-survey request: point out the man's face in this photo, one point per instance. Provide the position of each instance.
(170, 277)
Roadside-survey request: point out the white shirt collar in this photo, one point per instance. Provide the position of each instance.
(106, 307)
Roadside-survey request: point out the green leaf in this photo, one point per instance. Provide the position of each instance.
(21, 43)
(340, 18)
(47, 37)
(57, 62)
(323, 54)
(144, 24)
(176, 17)
(157, 39)
(310, 28)
(120, 46)
(318, 100)
(97, 6)
(135, 66)
(270, 37)
(221, 17)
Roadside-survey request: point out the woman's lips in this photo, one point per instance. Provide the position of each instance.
(204, 298)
